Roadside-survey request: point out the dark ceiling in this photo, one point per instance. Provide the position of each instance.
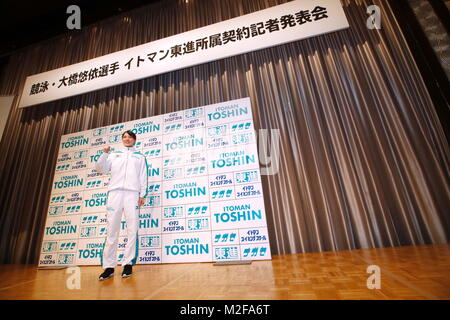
(25, 22)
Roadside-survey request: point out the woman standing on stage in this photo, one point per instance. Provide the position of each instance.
(126, 192)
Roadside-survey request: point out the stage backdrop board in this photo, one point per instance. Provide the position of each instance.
(205, 198)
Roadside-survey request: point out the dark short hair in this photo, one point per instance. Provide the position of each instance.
(131, 133)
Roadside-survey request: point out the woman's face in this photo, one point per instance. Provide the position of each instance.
(128, 140)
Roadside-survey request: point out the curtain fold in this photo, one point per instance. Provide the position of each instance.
(363, 159)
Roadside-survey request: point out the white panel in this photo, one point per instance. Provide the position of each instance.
(204, 203)
(160, 56)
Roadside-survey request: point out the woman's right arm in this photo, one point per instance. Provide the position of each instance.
(103, 164)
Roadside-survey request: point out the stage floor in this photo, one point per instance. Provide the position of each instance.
(419, 272)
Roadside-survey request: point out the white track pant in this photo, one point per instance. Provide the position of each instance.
(119, 201)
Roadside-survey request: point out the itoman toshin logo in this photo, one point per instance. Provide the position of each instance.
(187, 246)
(92, 250)
(73, 142)
(238, 213)
(146, 127)
(230, 111)
(185, 190)
(152, 170)
(233, 159)
(68, 181)
(148, 221)
(59, 227)
(96, 200)
(185, 141)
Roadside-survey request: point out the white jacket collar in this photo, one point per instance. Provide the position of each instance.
(128, 148)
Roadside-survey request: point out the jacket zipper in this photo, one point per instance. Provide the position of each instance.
(126, 165)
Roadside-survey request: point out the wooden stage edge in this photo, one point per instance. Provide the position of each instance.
(407, 273)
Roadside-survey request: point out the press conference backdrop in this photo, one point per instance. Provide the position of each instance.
(205, 199)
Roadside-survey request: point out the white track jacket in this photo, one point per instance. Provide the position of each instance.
(128, 169)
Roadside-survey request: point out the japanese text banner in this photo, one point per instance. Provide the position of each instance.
(277, 25)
